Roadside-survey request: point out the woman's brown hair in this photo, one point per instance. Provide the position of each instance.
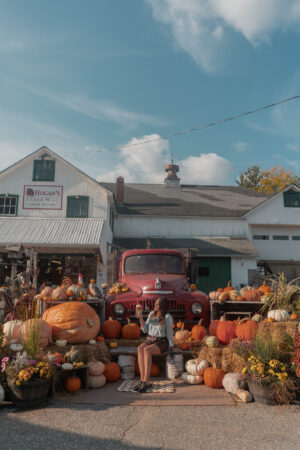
(163, 308)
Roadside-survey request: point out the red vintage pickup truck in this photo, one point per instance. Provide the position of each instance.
(152, 273)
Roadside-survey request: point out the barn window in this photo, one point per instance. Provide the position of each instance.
(8, 205)
(43, 170)
(291, 199)
(77, 206)
(280, 237)
(261, 237)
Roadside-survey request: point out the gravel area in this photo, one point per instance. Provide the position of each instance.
(65, 426)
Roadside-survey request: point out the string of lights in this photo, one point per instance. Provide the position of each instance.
(193, 130)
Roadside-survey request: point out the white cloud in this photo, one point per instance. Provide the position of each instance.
(208, 168)
(240, 146)
(198, 25)
(145, 164)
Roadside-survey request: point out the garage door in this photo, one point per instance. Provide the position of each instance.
(213, 273)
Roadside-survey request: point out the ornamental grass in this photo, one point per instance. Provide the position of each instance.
(285, 295)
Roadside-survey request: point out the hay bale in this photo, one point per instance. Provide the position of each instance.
(127, 342)
(213, 355)
(276, 330)
(231, 361)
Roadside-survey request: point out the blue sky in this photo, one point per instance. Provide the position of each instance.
(85, 77)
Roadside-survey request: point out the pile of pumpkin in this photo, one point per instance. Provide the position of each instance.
(118, 288)
(247, 293)
(198, 371)
(113, 330)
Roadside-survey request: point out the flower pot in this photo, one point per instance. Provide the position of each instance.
(29, 395)
(262, 393)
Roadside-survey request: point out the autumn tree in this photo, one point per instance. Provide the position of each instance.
(275, 179)
(250, 179)
(267, 181)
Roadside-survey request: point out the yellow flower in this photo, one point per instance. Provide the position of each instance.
(18, 382)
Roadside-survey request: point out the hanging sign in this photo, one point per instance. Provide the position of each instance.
(42, 197)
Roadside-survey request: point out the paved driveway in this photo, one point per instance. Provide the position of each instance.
(68, 426)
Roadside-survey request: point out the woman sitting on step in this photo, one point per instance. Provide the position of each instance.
(159, 340)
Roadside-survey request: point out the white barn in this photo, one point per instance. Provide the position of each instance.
(232, 230)
(61, 216)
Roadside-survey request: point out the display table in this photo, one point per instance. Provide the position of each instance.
(233, 309)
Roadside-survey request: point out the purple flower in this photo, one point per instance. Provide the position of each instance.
(31, 362)
(3, 363)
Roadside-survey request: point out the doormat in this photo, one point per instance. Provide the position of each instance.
(156, 386)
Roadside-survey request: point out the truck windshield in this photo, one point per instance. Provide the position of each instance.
(153, 264)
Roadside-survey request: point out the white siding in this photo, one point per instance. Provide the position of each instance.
(239, 270)
(73, 184)
(273, 249)
(135, 226)
(274, 213)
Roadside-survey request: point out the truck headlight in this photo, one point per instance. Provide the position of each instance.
(119, 309)
(196, 308)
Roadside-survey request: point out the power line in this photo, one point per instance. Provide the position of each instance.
(201, 127)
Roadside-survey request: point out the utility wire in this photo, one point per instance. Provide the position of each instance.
(201, 127)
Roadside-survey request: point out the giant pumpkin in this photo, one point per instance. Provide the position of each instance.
(74, 321)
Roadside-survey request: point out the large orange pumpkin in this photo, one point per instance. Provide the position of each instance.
(131, 331)
(111, 329)
(213, 327)
(213, 377)
(74, 321)
(246, 329)
(39, 327)
(225, 331)
(154, 370)
(198, 331)
(112, 371)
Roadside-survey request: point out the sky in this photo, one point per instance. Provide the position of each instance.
(87, 77)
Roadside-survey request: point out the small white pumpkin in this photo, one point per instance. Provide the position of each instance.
(67, 366)
(96, 382)
(15, 347)
(11, 330)
(192, 379)
(257, 318)
(2, 394)
(280, 315)
(61, 342)
(92, 341)
(195, 367)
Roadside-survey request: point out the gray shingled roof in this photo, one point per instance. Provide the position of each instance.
(188, 200)
(203, 246)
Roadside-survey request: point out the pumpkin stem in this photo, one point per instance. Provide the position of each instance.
(182, 327)
(229, 283)
(110, 318)
(90, 322)
(222, 319)
(200, 322)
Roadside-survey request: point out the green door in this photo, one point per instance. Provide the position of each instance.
(213, 273)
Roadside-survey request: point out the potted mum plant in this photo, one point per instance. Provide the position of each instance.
(28, 380)
(270, 372)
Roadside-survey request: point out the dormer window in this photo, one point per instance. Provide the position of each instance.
(43, 170)
(291, 199)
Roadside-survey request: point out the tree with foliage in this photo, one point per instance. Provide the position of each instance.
(250, 179)
(267, 181)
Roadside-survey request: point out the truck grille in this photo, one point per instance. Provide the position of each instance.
(178, 310)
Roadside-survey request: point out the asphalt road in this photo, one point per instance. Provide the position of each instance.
(65, 426)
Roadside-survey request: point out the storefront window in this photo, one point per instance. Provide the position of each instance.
(43, 170)
(77, 206)
(8, 205)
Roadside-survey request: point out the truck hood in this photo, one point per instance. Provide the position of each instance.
(160, 284)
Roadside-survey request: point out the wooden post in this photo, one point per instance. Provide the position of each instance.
(35, 268)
